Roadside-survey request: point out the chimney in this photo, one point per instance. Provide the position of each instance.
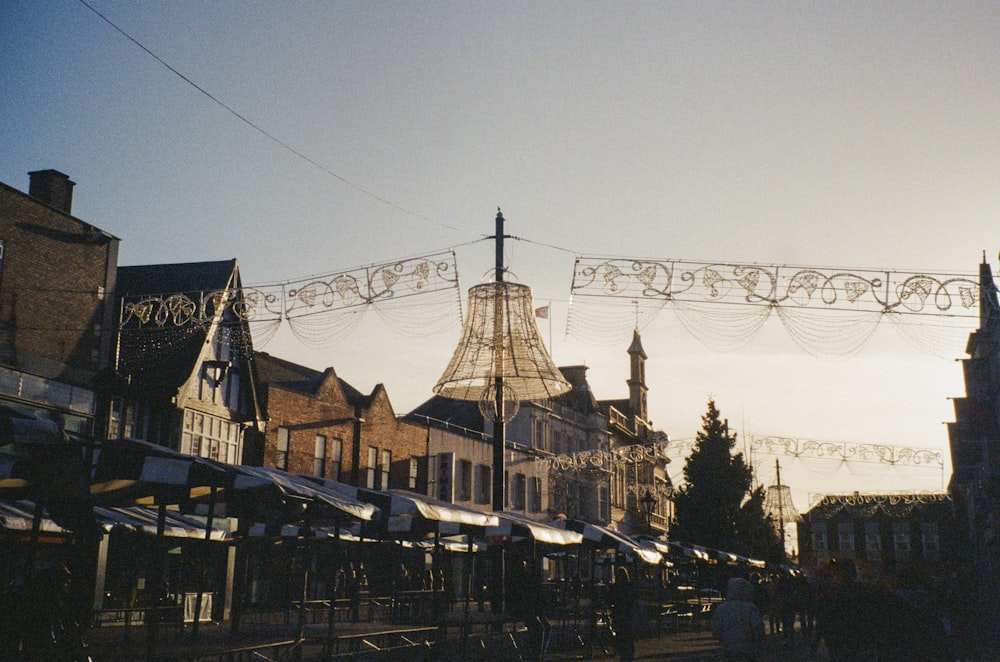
(53, 188)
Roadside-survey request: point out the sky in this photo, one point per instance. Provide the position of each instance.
(308, 138)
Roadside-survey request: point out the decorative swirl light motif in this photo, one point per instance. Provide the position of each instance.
(614, 295)
(321, 308)
(877, 291)
(606, 459)
(847, 452)
(894, 504)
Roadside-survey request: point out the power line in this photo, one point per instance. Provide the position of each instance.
(264, 132)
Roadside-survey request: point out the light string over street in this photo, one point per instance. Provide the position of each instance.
(829, 313)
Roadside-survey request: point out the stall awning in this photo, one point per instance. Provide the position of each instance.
(144, 520)
(19, 515)
(604, 538)
(515, 525)
(409, 512)
(254, 483)
(132, 472)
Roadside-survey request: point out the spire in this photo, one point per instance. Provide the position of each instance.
(637, 379)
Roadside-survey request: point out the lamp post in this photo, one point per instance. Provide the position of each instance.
(648, 502)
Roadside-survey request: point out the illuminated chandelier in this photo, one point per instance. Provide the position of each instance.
(500, 341)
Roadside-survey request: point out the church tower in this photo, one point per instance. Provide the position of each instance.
(637, 381)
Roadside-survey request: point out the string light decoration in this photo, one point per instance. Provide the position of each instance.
(829, 313)
(843, 452)
(896, 504)
(605, 459)
(500, 339)
(319, 310)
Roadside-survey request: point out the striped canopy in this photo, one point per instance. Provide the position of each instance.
(604, 538)
(408, 513)
(259, 489)
(519, 526)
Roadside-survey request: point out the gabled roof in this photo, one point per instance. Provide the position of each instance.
(189, 277)
(446, 411)
(295, 377)
(159, 359)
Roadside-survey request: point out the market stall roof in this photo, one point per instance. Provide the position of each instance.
(134, 472)
(405, 512)
(252, 484)
(604, 538)
(703, 553)
(144, 520)
(19, 515)
(515, 525)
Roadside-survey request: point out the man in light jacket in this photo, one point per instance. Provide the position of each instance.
(737, 623)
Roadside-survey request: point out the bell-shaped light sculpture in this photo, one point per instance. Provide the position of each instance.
(501, 340)
(778, 504)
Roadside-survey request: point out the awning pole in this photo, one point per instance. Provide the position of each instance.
(152, 622)
(201, 575)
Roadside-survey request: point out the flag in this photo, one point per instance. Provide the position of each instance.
(542, 313)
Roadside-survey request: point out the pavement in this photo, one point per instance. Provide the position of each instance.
(115, 643)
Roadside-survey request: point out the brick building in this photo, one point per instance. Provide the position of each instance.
(318, 424)
(56, 276)
(882, 534)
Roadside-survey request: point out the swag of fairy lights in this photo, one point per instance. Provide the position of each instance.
(606, 459)
(868, 504)
(825, 457)
(828, 312)
(319, 310)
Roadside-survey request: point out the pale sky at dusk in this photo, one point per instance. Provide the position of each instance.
(862, 135)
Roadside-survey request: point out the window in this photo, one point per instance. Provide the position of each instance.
(464, 480)
(538, 434)
(930, 540)
(873, 541)
(411, 481)
(386, 466)
(281, 459)
(603, 503)
(484, 487)
(901, 539)
(445, 476)
(319, 456)
(372, 466)
(518, 491)
(845, 538)
(535, 495)
(234, 390)
(819, 542)
(336, 449)
(115, 418)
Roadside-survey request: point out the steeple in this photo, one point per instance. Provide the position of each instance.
(637, 379)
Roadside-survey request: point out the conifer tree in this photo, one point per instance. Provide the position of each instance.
(717, 482)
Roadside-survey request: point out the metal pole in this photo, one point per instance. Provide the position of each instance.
(499, 424)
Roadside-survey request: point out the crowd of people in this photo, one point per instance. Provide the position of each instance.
(854, 620)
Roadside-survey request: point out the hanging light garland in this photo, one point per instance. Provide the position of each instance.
(828, 312)
(318, 310)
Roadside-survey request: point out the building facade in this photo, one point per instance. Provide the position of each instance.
(884, 535)
(640, 486)
(974, 441)
(57, 276)
(319, 425)
(184, 363)
(570, 436)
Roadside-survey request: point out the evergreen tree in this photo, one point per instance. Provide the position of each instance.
(717, 484)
